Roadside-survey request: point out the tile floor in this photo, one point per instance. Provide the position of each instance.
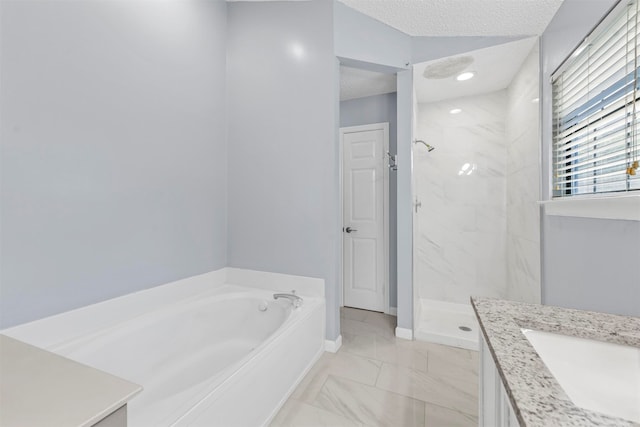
(376, 379)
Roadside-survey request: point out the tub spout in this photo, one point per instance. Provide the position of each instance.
(295, 299)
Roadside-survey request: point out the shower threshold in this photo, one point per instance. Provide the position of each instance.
(447, 323)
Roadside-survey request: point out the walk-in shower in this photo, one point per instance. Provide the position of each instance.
(472, 205)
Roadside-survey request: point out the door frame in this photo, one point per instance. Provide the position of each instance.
(384, 126)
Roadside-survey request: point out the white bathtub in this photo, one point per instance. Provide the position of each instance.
(216, 355)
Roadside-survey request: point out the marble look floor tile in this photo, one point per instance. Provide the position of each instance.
(395, 351)
(343, 364)
(369, 405)
(353, 313)
(459, 356)
(357, 327)
(299, 414)
(457, 394)
(381, 320)
(475, 358)
(313, 381)
(454, 363)
(377, 379)
(439, 416)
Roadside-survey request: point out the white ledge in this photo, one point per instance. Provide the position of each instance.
(625, 207)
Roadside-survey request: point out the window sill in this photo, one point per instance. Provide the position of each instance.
(621, 207)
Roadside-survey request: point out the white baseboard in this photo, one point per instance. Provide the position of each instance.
(393, 311)
(404, 333)
(333, 346)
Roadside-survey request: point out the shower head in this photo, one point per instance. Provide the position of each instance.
(429, 147)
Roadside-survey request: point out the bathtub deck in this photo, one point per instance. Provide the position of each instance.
(377, 379)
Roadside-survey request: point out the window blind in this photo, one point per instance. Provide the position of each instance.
(595, 109)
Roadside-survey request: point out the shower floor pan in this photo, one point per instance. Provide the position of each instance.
(446, 323)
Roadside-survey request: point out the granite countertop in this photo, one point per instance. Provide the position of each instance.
(536, 396)
(39, 388)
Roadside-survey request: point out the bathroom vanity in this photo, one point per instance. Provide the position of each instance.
(39, 388)
(552, 366)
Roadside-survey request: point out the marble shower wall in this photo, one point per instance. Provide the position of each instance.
(460, 232)
(523, 183)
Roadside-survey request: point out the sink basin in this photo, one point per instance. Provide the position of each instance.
(597, 376)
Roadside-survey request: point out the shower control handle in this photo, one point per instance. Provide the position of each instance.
(350, 230)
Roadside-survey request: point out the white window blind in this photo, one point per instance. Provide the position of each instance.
(595, 117)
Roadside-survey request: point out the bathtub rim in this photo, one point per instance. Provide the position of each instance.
(83, 320)
(238, 292)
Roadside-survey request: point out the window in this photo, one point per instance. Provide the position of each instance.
(595, 110)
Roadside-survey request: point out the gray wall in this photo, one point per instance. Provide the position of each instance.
(378, 47)
(379, 109)
(113, 158)
(284, 212)
(592, 264)
(405, 200)
(361, 39)
(587, 263)
(114, 161)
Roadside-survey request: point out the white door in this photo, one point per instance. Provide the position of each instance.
(364, 172)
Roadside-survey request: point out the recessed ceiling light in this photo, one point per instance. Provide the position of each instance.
(465, 76)
(455, 111)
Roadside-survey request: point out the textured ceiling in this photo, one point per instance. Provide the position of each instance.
(494, 68)
(461, 17)
(356, 83)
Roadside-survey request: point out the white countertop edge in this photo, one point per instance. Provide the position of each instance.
(56, 386)
(620, 207)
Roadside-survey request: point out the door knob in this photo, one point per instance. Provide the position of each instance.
(350, 230)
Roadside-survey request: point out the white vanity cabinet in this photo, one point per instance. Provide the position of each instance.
(495, 408)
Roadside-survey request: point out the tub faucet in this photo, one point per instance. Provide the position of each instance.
(295, 299)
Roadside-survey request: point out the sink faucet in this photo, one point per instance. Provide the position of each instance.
(295, 299)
